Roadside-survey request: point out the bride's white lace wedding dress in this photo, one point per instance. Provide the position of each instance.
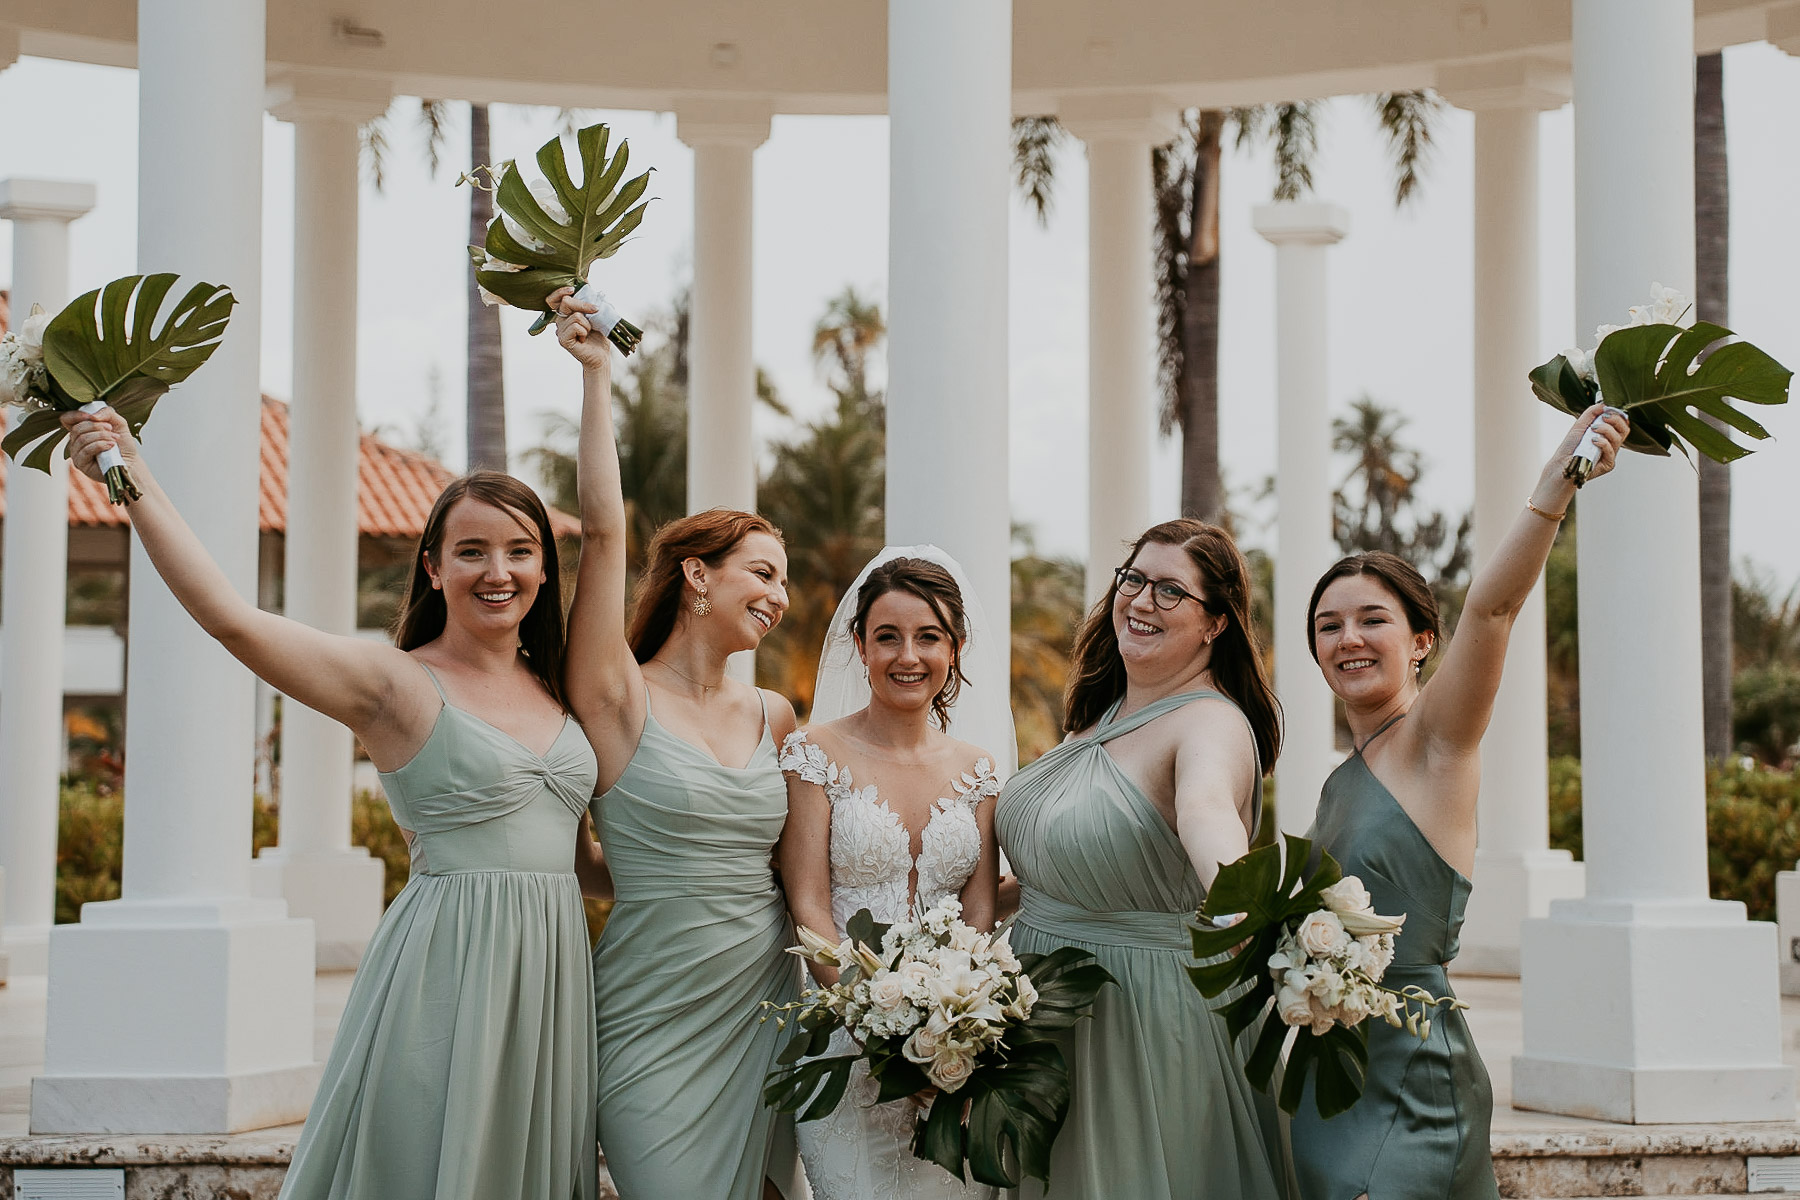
(863, 1150)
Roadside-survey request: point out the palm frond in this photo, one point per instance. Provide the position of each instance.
(434, 119)
(1408, 120)
(1291, 129)
(1034, 161)
(373, 136)
(569, 120)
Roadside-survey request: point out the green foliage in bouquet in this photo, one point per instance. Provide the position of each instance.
(1016, 1099)
(1272, 890)
(596, 217)
(1657, 374)
(105, 346)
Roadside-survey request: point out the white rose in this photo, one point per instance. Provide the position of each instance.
(1294, 1005)
(950, 1070)
(1003, 955)
(887, 991)
(1324, 1016)
(915, 976)
(1321, 934)
(31, 335)
(1347, 895)
(923, 1046)
(965, 937)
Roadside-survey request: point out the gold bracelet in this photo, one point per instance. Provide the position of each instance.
(1551, 517)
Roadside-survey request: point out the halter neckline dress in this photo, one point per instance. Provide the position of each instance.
(696, 942)
(463, 1063)
(1420, 1129)
(1161, 1108)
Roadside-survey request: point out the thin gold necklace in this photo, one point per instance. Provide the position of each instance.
(704, 687)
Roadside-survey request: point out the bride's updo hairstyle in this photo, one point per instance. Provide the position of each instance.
(709, 536)
(423, 614)
(1398, 576)
(936, 587)
(1097, 675)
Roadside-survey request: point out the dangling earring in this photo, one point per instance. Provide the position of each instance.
(702, 606)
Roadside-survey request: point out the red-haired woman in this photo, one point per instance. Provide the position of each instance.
(1400, 815)
(475, 985)
(1115, 835)
(693, 806)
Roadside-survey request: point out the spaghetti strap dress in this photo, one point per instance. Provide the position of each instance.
(463, 1063)
(1420, 1129)
(1161, 1108)
(696, 942)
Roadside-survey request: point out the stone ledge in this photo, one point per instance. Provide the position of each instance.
(1773, 1138)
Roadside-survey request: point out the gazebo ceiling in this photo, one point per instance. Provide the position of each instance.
(828, 56)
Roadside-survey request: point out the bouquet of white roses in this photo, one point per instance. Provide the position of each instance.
(933, 1003)
(104, 349)
(1661, 375)
(547, 234)
(1307, 953)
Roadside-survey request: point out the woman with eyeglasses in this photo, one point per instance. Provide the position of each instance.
(1115, 835)
(1400, 815)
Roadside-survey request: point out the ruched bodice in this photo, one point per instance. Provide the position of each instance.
(1160, 1106)
(1420, 1130)
(518, 818)
(475, 986)
(697, 940)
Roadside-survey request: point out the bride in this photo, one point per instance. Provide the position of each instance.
(890, 804)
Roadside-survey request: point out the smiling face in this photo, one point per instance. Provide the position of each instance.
(1164, 641)
(489, 566)
(1365, 647)
(747, 592)
(908, 651)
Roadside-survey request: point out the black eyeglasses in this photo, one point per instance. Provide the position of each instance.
(1164, 593)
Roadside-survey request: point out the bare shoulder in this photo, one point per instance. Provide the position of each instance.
(969, 754)
(1211, 726)
(780, 712)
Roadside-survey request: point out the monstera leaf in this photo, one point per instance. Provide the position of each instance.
(107, 346)
(598, 215)
(1662, 376)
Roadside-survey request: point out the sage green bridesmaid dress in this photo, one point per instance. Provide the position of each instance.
(697, 940)
(1160, 1107)
(1420, 1130)
(463, 1064)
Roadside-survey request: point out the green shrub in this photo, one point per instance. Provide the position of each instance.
(1765, 711)
(1752, 827)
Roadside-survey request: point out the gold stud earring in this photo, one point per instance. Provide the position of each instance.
(702, 606)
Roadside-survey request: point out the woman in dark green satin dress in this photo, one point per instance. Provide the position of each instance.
(1400, 814)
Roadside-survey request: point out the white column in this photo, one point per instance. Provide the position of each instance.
(35, 575)
(1646, 1001)
(1517, 875)
(186, 1006)
(949, 150)
(1119, 132)
(1301, 233)
(315, 868)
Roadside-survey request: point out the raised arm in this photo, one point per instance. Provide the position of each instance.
(602, 681)
(1453, 710)
(346, 678)
(1215, 770)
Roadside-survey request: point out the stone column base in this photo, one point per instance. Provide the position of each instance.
(177, 1017)
(339, 891)
(1651, 1012)
(1787, 938)
(172, 1103)
(1511, 886)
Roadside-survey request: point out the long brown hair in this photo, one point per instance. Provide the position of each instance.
(937, 588)
(423, 613)
(1399, 577)
(709, 536)
(1097, 675)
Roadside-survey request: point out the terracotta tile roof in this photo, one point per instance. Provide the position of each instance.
(395, 488)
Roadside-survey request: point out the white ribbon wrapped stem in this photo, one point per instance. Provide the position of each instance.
(108, 458)
(602, 321)
(1589, 447)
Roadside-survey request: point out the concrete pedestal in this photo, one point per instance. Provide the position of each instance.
(339, 891)
(1787, 932)
(1511, 885)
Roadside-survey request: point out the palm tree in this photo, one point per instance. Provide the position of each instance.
(1712, 244)
(845, 339)
(1185, 175)
(1047, 607)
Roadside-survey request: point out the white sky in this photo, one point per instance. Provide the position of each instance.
(1402, 297)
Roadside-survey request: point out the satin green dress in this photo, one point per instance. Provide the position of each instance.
(697, 940)
(1420, 1129)
(1160, 1107)
(463, 1063)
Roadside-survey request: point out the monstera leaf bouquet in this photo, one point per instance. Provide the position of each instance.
(106, 349)
(1665, 378)
(1293, 942)
(549, 233)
